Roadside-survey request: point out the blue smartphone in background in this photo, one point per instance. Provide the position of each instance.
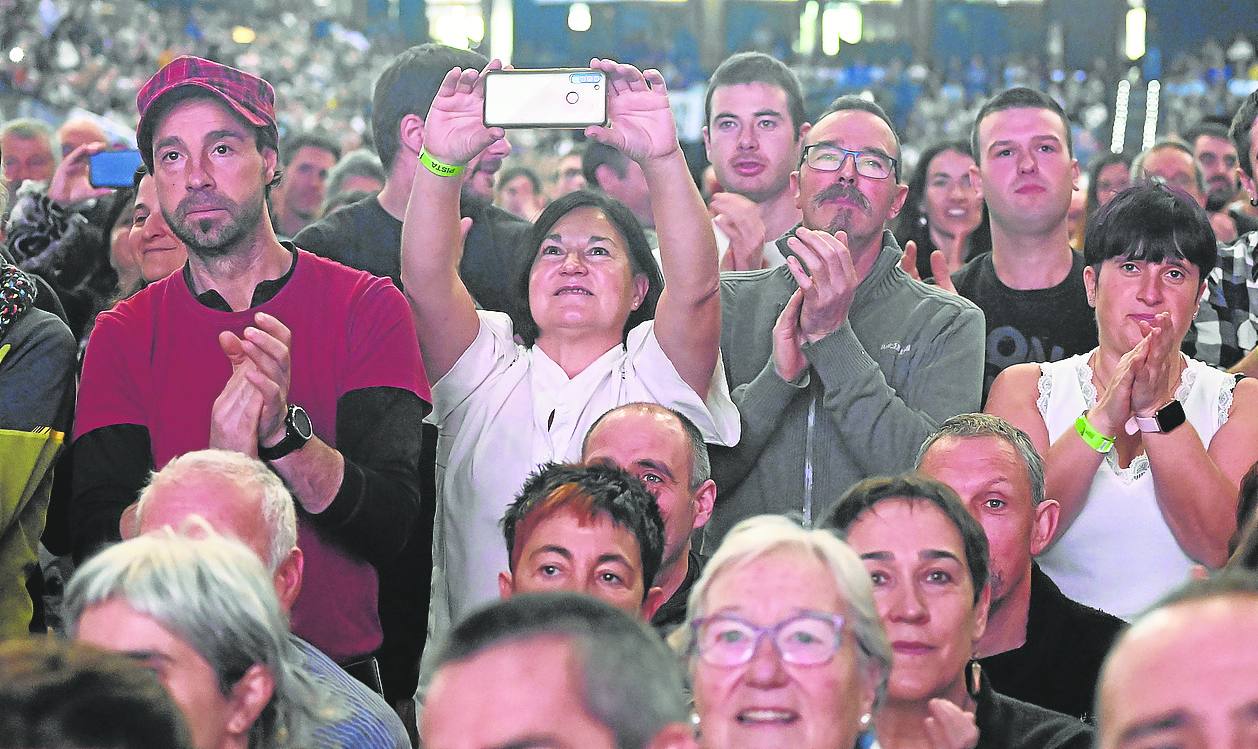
(113, 168)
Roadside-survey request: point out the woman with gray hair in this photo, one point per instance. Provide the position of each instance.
(203, 614)
(819, 678)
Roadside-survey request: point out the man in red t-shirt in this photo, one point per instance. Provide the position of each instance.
(255, 347)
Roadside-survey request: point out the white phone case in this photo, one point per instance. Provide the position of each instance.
(558, 98)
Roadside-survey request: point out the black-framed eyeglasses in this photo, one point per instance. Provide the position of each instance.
(807, 639)
(825, 157)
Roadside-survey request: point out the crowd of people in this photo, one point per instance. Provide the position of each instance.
(417, 446)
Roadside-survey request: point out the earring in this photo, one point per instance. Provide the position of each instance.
(974, 678)
(922, 219)
(1253, 202)
(865, 721)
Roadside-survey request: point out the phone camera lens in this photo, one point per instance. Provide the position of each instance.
(572, 97)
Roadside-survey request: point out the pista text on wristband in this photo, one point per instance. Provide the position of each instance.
(1093, 437)
(439, 168)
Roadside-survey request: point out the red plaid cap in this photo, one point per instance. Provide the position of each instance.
(248, 95)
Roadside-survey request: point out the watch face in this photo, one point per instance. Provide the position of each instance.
(301, 423)
(1170, 416)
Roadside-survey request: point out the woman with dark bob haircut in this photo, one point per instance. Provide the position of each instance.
(593, 327)
(943, 211)
(1143, 446)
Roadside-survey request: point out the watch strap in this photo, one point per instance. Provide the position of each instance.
(293, 438)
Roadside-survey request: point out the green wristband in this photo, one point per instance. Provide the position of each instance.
(1090, 435)
(439, 168)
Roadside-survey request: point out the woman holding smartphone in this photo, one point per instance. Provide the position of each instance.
(596, 328)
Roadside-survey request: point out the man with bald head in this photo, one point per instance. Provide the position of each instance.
(665, 451)
(239, 497)
(1183, 674)
(841, 365)
(79, 132)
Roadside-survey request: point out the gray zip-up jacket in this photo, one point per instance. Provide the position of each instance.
(909, 356)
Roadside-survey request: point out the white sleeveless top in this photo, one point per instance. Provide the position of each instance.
(1119, 554)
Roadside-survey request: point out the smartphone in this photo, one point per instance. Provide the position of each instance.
(554, 98)
(788, 252)
(113, 168)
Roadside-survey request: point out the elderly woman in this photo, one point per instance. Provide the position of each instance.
(1143, 447)
(784, 644)
(927, 558)
(595, 330)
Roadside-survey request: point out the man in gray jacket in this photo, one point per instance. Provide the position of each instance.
(840, 364)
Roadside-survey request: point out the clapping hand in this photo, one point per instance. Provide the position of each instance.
(950, 727)
(640, 124)
(938, 266)
(454, 130)
(253, 405)
(1149, 383)
(829, 284)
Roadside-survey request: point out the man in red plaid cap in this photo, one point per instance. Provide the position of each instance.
(260, 348)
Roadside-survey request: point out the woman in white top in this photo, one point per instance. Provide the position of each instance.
(1143, 446)
(589, 290)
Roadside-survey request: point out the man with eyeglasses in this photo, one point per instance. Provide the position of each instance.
(1030, 286)
(1171, 162)
(840, 364)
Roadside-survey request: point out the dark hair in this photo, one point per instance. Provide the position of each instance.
(1242, 131)
(757, 67)
(911, 223)
(629, 680)
(852, 102)
(294, 142)
(1094, 175)
(700, 462)
(1243, 547)
(598, 154)
(1151, 222)
(64, 694)
(641, 261)
(916, 488)
(407, 86)
(520, 171)
(599, 490)
(1018, 97)
(1205, 127)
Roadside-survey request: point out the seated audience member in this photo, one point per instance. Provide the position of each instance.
(754, 124)
(1219, 161)
(1171, 161)
(239, 497)
(37, 368)
(368, 235)
(1143, 446)
(1183, 674)
(1226, 327)
(587, 529)
(232, 353)
(568, 174)
(202, 613)
(943, 211)
(610, 171)
(841, 364)
(65, 695)
(29, 152)
(665, 450)
(306, 159)
(357, 171)
(555, 670)
(783, 641)
(599, 328)
(928, 561)
(519, 192)
(1039, 646)
(1030, 286)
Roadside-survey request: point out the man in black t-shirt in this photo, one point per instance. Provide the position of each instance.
(1039, 646)
(1030, 287)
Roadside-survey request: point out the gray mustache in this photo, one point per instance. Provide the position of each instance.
(838, 190)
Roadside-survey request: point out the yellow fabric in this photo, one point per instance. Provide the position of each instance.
(25, 483)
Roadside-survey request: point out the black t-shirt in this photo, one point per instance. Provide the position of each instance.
(1066, 643)
(363, 235)
(1006, 723)
(1037, 325)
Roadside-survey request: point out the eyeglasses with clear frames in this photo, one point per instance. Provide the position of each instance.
(807, 639)
(825, 157)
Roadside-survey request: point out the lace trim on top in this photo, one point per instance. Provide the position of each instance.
(1139, 464)
(1225, 401)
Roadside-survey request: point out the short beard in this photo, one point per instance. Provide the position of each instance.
(199, 235)
(1218, 198)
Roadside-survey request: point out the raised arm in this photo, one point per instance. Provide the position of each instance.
(445, 315)
(688, 315)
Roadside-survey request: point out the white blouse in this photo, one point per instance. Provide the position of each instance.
(502, 410)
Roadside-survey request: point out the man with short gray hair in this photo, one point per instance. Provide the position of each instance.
(555, 669)
(239, 497)
(1039, 646)
(29, 152)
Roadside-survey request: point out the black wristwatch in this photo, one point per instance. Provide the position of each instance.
(297, 432)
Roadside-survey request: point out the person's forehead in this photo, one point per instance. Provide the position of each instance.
(638, 432)
(209, 114)
(907, 523)
(23, 141)
(748, 98)
(780, 581)
(227, 507)
(854, 128)
(1168, 157)
(1019, 123)
(576, 530)
(314, 153)
(1214, 144)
